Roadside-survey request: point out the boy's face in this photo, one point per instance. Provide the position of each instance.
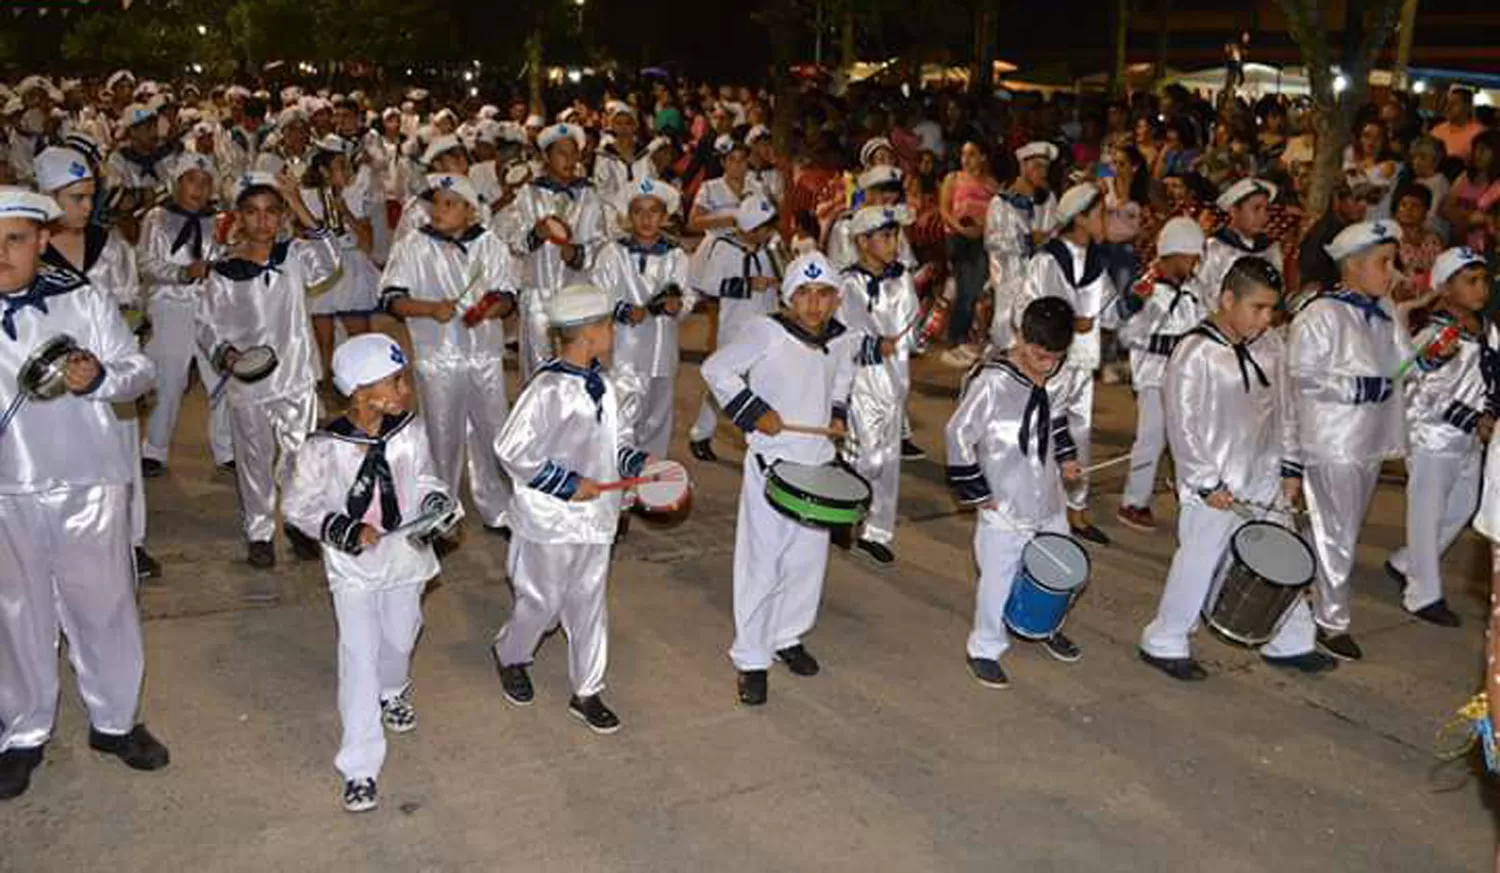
(763, 151)
(260, 216)
(1469, 288)
(646, 217)
(1034, 171)
(562, 159)
(883, 196)
(1179, 267)
(143, 135)
(1411, 211)
(22, 242)
(1248, 314)
(77, 203)
(454, 162)
(1034, 360)
(881, 244)
(623, 125)
(1371, 272)
(736, 163)
(389, 396)
(1422, 163)
(813, 305)
(598, 337)
(485, 151)
(451, 214)
(193, 190)
(1250, 216)
(760, 235)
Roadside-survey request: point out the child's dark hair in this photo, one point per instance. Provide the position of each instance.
(1250, 274)
(255, 191)
(1048, 322)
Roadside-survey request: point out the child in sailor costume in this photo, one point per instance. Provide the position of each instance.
(566, 437)
(1231, 422)
(1246, 202)
(367, 474)
(1156, 312)
(546, 264)
(647, 275)
(763, 173)
(615, 160)
(447, 267)
(796, 366)
(337, 198)
(257, 296)
(175, 250)
(879, 300)
(1015, 226)
(1451, 404)
(736, 268)
(1071, 266)
(881, 186)
(1010, 449)
(444, 156)
(1345, 348)
(140, 167)
(64, 509)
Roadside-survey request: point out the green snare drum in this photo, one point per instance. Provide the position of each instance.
(821, 495)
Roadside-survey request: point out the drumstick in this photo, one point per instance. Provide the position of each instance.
(1094, 468)
(631, 482)
(814, 430)
(11, 410)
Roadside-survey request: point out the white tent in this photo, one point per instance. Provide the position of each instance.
(1259, 79)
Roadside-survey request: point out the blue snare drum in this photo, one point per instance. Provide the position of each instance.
(1054, 568)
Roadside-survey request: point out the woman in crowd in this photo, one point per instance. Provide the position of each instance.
(964, 201)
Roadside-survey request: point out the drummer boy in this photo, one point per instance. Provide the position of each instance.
(1009, 452)
(369, 472)
(1233, 437)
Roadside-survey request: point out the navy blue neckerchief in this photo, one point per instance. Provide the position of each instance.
(644, 250)
(240, 138)
(1036, 420)
(1370, 306)
(893, 270)
(471, 233)
(1179, 291)
(146, 163)
(833, 329)
(242, 269)
(1241, 353)
(547, 183)
(1093, 261)
(750, 264)
(375, 471)
(191, 234)
(94, 239)
(593, 380)
(50, 281)
(1230, 238)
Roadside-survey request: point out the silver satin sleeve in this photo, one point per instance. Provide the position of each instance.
(1045, 279)
(115, 272)
(651, 347)
(841, 250)
(611, 175)
(427, 269)
(1218, 257)
(543, 272)
(1007, 242)
(160, 267)
(1443, 406)
(1332, 347)
(878, 396)
(556, 429)
(1487, 519)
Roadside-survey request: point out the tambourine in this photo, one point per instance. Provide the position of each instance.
(254, 364)
(556, 231)
(440, 515)
(41, 376)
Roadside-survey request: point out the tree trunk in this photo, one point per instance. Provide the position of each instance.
(534, 71)
(1163, 29)
(982, 77)
(1403, 45)
(1117, 74)
(846, 41)
(781, 17)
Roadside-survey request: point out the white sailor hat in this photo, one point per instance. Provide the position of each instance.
(487, 131)
(1244, 189)
(668, 195)
(657, 144)
(390, 112)
(535, 122)
(455, 184)
(57, 168)
(1450, 263)
(38, 83)
(364, 360)
(236, 91)
(12, 106)
(578, 305)
(417, 94)
(201, 129)
(336, 144)
(441, 146)
(876, 176)
(871, 146)
(188, 162)
(511, 132)
(558, 132)
(262, 94)
(1037, 149)
(190, 115)
(1180, 236)
(254, 179)
(1357, 238)
(314, 105)
(447, 113)
(488, 111)
(25, 203)
(567, 114)
(1076, 201)
(756, 134)
(873, 218)
(618, 107)
(137, 113)
(290, 116)
(812, 268)
(118, 77)
(85, 145)
(754, 211)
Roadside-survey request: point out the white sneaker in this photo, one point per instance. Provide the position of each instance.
(397, 713)
(360, 795)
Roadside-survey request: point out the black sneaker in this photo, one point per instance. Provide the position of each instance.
(303, 546)
(876, 552)
(138, 749)
(146, 567)
(622, 529)
(1062, 648)
(1438, 613)
(703, 450)
(1091, 533)
(499, 530)
(261, 555)
(151, 468)
(592, 712)
(1395, 575)
(1181, 669)
(15, 770)
(515, 684)
(910, 451)
(360, 795)
(799, 660)
(752, 687)
(1341, 646)
(1311, 663)
(987, 672)
(227, 468)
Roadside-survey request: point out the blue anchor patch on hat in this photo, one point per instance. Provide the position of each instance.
(77, 170)
(813, 271)
(398, 357)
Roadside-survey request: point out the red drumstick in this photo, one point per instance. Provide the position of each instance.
(633, 481)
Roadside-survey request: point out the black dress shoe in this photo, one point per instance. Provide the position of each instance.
(1181, 669)
(1438, 613)
(303, 546)
(138, 749)
(261, 555)
(910, 451)
(877, 552)
(15, 770)
(151, 468)
(1341, 646)
(592, 712)
(1396, 575)
(1310, 663)
(1091, 533)
(799, 660)
(752, 687)
(703, 450)
(146, 567)
(515, 683)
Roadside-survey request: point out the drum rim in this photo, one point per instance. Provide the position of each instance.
(817, 512)
(44, 358)
(1088, 562)
(775, 480)
(270, 367)
(1234, 551)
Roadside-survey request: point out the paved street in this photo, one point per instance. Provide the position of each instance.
(892, 760)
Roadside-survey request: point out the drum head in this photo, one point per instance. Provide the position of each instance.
(825, 483)
(1275, 553)
(254, 364)
(1056, 561)
(665, 494)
